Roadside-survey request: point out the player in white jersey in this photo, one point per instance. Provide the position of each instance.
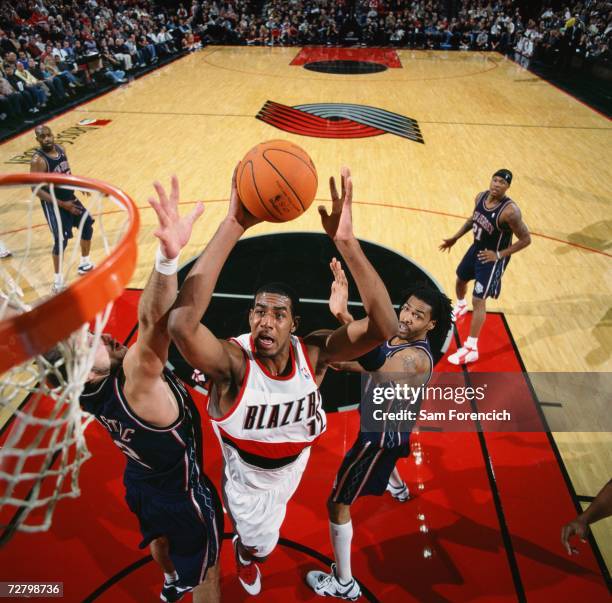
(264, 399)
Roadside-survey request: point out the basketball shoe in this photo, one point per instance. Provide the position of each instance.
(171, 592)
(248, 573)
(85, 267)
(400, 493)
(459, 311)
(329, 585)
(464, 355)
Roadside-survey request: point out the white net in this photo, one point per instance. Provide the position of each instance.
(42, 443)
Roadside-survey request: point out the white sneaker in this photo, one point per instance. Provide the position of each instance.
(57, 288)
(85, 268)
(464, 355)
(5, 253)
(249, 574)
(459, 311)
(400, 493)
(328, 585)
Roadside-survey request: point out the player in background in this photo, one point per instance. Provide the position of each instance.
(368, 467)
(51, 157)
(264, 402)
(495, 219)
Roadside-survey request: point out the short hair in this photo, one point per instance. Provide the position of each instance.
(281, 289)
(440, 304)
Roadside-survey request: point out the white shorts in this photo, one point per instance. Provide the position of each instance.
(256, 499)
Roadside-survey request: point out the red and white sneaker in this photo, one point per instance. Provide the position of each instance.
(464, 355)
(248, 574)
(459, 311)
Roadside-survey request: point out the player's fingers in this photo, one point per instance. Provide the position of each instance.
(174, 189)
(195, 213)
(161, 214)
(332, 188)
(323, 211)
(161, 193)
(349, 189)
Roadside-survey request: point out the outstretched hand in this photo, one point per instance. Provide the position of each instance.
(573, 528)
(447, 244)
(339, 224)
(173, 231)
(338, 299)
(236, 209)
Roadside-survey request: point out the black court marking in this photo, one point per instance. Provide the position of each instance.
(264, 259)
(296, 546)
(341, 67)
(583, 498)
(553, 445)
(552, 404)
(501, 518)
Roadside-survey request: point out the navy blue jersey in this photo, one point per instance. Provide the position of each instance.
(488, 233)
(166, 458)
(57, 165)
(397, 433)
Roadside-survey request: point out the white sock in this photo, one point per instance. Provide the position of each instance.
(84, 259)
(341, 536)
(169, 578)
(395, 479)
(461, 302)
(58, 279)
(472, 342)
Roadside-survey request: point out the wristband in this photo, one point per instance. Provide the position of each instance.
(498, 256)
(165, 266)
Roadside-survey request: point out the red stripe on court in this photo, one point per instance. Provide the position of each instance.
(313, 54)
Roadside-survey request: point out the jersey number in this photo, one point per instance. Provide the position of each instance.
(477, 230)
(131, 453)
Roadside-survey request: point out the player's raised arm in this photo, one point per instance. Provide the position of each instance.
(216, 358)
(145, 360)
(355, 338)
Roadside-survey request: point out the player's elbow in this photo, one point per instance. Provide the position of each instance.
(180, 327)
(527, 240)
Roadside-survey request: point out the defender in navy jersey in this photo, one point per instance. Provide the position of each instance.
(494, 220)
(264, 397)
(51, 157)
(368, 467)
(152, 419)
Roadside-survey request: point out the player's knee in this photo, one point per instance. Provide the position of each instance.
(87, 229)
(57, 244)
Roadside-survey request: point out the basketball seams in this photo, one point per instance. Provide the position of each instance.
(285, 180)
(259, 197)
(306, 163)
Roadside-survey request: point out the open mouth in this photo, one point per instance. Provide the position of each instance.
(265, 341)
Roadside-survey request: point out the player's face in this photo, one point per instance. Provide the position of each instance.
(498, 186)
(109, 354)
(45, 139)
(271, 320)
(414, 319)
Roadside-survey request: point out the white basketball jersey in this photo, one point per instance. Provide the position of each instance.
(273, 418)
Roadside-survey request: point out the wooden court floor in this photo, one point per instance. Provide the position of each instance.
(476, 112)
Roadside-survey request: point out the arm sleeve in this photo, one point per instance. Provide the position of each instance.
(373, 360)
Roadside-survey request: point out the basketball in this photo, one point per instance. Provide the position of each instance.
(277, 181)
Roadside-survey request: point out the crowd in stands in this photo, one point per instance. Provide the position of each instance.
(52, 49)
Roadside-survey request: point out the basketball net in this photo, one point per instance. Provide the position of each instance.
(42, 443)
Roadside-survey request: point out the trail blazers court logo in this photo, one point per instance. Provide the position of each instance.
(339, 120)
